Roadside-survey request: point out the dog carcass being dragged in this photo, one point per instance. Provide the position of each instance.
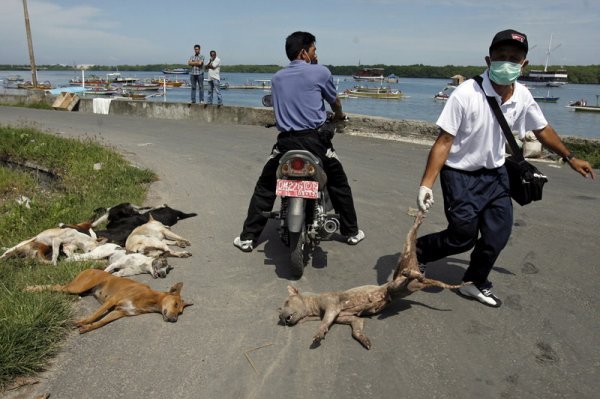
(120, 297)
(347, 307)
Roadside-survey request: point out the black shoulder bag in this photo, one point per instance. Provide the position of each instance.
(526, 181)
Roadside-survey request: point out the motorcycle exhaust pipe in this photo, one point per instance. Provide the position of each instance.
(331, 225)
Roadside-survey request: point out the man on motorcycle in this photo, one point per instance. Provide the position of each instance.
(298, 92)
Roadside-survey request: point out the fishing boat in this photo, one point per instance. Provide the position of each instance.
(369, 75)
(391, 79)
(261, 84)
(46, 85)
(176, 71)
(141, 86)
(582, 105)
(101, 91)
(11, 82)
(92, 80)
(168, 82)
(382, 92)
(445, 94)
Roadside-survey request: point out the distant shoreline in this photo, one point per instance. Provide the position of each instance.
(578, 74)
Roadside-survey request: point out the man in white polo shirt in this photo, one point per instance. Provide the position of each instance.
(469, 157)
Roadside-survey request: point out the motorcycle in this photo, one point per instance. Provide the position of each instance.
(305, 215)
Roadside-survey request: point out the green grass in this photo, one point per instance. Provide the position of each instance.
(585, 149)
(33, 325)
(37, 105)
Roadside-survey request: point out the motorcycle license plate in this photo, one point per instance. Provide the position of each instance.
(297, 188)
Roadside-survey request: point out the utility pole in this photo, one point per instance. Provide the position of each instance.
(30, 43)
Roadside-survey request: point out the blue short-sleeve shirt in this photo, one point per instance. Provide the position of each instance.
(298, 93)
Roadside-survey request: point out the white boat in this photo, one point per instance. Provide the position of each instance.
(381, 92)
(536, 77)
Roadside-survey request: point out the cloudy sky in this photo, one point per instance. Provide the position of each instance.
(431, 32)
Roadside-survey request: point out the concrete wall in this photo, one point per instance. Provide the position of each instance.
(232, 115)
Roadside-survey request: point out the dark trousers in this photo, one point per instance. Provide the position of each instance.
(197, 80)
(480, 215)
(337, 183)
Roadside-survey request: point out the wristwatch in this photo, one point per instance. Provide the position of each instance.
(567, 158)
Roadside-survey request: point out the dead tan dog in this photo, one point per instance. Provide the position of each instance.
(120, 297)
(51, 241)
(347, 307)
(153, 239)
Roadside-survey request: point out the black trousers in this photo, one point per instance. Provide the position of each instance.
(337, 183)
(480, 215)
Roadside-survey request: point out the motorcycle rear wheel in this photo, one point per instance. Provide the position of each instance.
(297, 253)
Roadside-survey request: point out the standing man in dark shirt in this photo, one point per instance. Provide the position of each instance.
(299, 91)
(196, 74)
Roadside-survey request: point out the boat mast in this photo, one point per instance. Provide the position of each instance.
(30, 44)
(550, 49)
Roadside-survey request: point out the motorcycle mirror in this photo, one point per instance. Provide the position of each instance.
(267, 100)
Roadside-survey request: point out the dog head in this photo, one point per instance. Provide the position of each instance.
(160, 267)
(294, 309)
(172, 304)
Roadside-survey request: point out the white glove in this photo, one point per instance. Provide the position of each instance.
(425, 198)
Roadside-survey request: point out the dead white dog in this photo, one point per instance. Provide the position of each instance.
(50, 243)
(153, 239)
(122, 263)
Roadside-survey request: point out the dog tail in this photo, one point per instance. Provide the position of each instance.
(40, 288)
(186, 215)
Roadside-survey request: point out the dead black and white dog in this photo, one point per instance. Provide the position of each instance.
(124, 218)
(123, 263)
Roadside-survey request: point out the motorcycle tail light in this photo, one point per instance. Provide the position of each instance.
(297, 164)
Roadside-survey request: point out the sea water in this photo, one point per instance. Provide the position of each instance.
(417, 102)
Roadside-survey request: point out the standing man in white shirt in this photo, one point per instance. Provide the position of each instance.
(469, 157)
(214, 78)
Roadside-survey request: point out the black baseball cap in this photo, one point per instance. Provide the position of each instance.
(510, 36)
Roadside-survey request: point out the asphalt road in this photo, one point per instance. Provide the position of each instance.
(542, 343)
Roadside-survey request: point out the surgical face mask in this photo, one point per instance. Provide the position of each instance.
(504, 73)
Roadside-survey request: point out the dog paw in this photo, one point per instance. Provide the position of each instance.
(84, 329)
(364, 341)
(185, 254)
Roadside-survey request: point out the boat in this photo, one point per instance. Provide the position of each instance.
(545, 99)
(445, 94)
(46, 85)
(369, 75)
(134, 96)
(261, 84)
(92, 80)
(11, 82)
(391, 79)
(168, 82)
(547, 78)
(555, 78)
(101, 91)
(582, 105)
(382, 92)
(176, 71)
(116, 77)
(141, 86)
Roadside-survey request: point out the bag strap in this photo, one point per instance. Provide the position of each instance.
(516, 151)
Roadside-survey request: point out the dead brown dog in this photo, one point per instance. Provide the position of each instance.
(120, 297)
(347, 307)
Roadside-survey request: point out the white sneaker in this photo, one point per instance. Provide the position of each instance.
(245, 246)
(353, 240)
(482, 294)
